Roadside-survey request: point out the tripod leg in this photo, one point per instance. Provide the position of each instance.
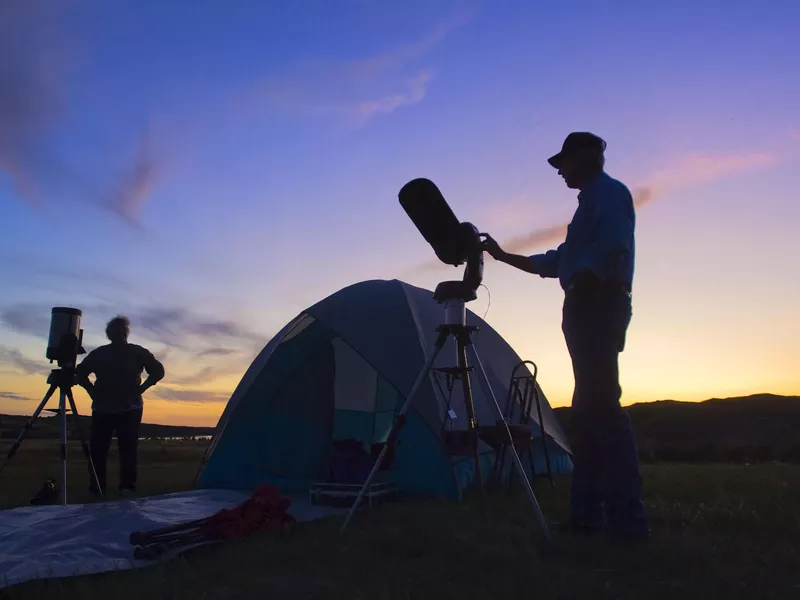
(470, 408)
(28, 426)
(85, 446)
(62, 414)
(399, 422)
(517, 462)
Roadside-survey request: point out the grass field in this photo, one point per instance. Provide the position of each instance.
(720, 531)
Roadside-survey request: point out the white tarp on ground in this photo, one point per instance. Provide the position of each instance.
(39, 542)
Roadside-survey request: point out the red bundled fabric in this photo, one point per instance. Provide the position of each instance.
(265, 511)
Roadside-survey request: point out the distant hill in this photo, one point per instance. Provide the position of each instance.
(757, 428)
(760, 427)
(47, 427)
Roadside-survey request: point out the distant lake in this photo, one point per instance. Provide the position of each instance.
(178, 438)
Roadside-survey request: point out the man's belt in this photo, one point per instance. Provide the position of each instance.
(599, 286)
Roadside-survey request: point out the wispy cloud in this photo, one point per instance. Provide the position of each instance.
(399, 56)
(361, 89)
(219, 352)
(181, 328)
(30, 319)
(28, 270)
(35, 58)
(18, 362)
(206, 374)
(190, 333)
(188, 395)
(12, 396)
(359, 113)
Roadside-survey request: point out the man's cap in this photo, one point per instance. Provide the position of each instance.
(576, 141)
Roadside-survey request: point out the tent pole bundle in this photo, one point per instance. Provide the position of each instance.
(463, 336)
(265, 511)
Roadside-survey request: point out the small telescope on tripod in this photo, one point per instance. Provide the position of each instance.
(454, 243)
(65, 340)
(64, 344)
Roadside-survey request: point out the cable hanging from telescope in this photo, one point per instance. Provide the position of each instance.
(483, 285)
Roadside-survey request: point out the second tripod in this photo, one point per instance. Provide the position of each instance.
(61, 379)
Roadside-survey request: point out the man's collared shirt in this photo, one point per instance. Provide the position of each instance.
(599, 239)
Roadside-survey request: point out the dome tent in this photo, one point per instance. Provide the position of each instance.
(342, 369)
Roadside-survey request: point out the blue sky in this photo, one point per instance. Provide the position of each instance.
(193, 164)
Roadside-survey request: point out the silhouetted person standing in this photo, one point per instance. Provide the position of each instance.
(117, 403)
(595, 267)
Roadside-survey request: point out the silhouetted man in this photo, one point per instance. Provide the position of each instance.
(117, 403)
(595, 267)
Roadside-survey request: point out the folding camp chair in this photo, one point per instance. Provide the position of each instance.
(522, 392)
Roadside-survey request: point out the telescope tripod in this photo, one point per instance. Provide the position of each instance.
(61, 379)
(456, 327)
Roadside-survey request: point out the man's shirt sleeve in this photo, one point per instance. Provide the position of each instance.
(546, 265)
(154, 368)
(84, 369)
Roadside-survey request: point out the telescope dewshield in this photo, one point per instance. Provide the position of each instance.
(64, 321)
(427, 208)
(453, 242)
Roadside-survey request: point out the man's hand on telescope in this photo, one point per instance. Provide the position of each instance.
(491, 246)
(523, 263)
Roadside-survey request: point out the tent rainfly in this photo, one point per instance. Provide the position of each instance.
(341, 370)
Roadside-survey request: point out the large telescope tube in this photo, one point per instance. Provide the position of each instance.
(427, 208)
(453, 242)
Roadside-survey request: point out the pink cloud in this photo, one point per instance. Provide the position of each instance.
(132, 190)
(696, 169)
(684, 172)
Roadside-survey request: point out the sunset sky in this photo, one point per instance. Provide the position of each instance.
(210, 169)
